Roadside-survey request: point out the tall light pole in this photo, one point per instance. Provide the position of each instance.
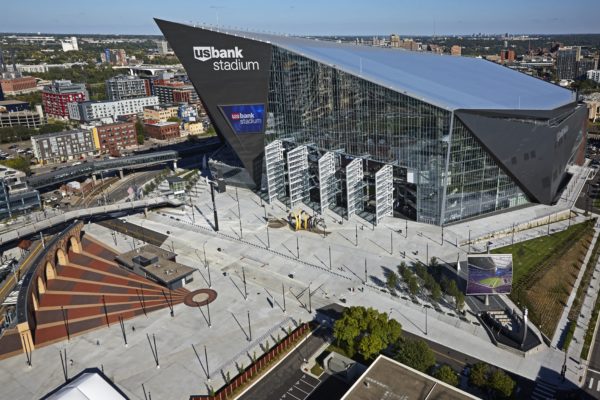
(239, 212)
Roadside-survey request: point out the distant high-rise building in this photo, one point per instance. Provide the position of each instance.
(175, 92)
(584, 65)
(114, 57)
(124, 87)
(69, 44)
(92, 110)
(507, 55)
(394, 40)
(594, 75)
(456, 50)
(57, 96)
(566, 62)
(163, 47)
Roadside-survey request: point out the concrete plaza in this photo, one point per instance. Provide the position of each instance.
(274, 262)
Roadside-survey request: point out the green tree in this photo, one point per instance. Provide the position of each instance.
(459, 300)
(392, 280)
(415, 353)
(420, 270)
(436, 293)
(365, 330)
(52, 127)
(451, 288)
(173, 119)
(447, 375)
(479, 375)
(369, 346)
(18, 163)
(141, 138)
(413, 286)
(501, 383)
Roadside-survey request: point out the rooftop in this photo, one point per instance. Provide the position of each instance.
(386, 378)
(156, 262)
(449, 82)
(11, 102)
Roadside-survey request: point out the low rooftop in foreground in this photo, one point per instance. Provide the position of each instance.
(389, 379)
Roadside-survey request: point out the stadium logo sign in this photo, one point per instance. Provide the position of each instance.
(225, 59)
(561, 134)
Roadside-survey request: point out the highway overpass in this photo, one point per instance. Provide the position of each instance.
(73, 172)
(86, 214)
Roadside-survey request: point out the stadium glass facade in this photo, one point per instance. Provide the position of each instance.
(464, 137)
(311, 103)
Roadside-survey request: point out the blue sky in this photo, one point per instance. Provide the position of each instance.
(310, 17)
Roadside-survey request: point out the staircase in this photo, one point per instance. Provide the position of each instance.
(91, 291)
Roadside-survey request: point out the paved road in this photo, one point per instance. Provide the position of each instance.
(135, 231)
(287, 381)
(592, 383)
(458, 360)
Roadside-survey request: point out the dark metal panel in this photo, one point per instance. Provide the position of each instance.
(217, 87)
(534, 155)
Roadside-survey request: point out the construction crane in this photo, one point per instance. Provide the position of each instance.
(301, 220)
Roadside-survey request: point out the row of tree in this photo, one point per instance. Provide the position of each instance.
(430, 282)
(19, 133)
(366, 332)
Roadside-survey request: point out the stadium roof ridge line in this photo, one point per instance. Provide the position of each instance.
(449, 82)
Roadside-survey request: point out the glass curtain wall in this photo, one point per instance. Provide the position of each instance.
(317, 105)
(311, 103)
(476, 184)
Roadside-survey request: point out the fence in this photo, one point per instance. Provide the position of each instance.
(248, 373)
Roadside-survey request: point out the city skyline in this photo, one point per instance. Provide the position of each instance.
(379, 17)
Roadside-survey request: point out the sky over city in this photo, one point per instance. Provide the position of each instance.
(307, 17)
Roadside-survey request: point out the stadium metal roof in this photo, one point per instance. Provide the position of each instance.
(449, 82)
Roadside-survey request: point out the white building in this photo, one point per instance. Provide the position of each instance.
(92, 110)
(163, 47)
(69, 44)
(594, 74)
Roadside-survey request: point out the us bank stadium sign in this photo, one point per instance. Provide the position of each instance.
(225, 59)
(245, 118)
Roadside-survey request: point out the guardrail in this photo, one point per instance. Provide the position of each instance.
(92, 167)
(11, 282)
(33, 228)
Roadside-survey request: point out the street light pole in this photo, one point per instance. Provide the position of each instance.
(239, 212)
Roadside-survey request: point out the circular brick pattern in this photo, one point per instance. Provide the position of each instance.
(200, 297)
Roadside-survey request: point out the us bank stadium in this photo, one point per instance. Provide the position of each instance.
(378, 131)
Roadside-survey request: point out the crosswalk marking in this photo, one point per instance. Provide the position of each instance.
(598, 387)
(591, 383)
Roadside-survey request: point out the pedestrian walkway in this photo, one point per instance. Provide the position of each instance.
(543, 390)
(563, 323)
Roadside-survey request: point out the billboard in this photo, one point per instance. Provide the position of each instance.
(489, 274)
(245, 118)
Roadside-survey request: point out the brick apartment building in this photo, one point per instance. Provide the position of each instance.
(162, 130)
(111, 138)
(15, 86)
(55, 97)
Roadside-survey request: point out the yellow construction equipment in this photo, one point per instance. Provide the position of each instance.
(301, 220)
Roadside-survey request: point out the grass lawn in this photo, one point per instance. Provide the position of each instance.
(545, 270)
(532, 253)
